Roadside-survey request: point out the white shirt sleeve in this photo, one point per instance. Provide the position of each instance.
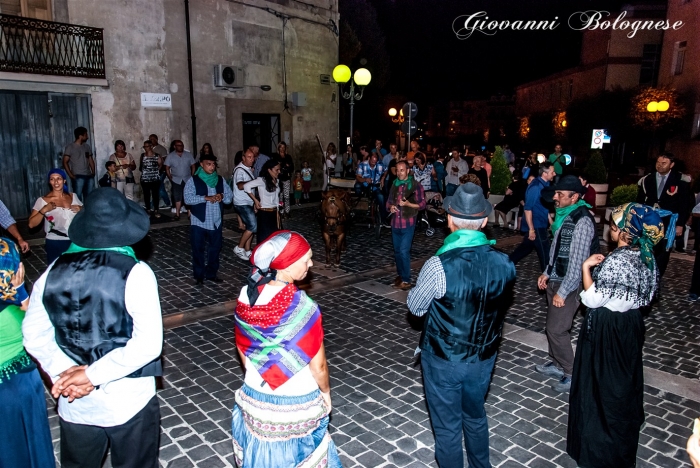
(76, 200)
(146, 343)
(593, 299)
(255, 183)
(40, 335)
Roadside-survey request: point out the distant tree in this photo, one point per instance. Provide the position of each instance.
(662, 121)
(362, 20)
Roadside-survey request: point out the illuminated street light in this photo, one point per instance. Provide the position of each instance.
(362, 77)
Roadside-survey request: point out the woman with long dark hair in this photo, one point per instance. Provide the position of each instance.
(57, 209)
(267, 206)
(606, 405)
(285, 177)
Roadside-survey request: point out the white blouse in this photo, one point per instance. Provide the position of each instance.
(303, 381)
(60, 217)
(593, 299)
(267, 199)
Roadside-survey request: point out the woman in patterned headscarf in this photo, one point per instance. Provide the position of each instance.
(25, 439)
(607, 387)
(280, 419)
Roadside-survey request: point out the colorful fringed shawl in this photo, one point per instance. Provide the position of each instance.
(279, 338)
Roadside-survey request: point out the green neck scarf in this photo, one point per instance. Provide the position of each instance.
(464, 238)
(209, 179)
(562, 213)
(128, 251)
(408, 180)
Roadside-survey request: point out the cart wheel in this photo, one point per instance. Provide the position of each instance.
(430, 232)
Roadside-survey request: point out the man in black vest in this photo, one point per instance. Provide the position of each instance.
(574, 241)
(95, 326)
(205, 194)
(463, 327)
(665, 189)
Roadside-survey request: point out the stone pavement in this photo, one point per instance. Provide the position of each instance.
(379, 417)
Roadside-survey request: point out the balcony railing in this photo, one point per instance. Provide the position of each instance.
(29, 45)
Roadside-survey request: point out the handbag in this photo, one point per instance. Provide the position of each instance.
(127, 179)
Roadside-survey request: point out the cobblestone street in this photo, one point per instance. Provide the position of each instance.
(379, 414)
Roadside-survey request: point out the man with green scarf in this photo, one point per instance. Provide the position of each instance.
(574, 241)
(462, 330)
(205, 194)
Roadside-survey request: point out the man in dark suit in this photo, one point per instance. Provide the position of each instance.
(665, 189)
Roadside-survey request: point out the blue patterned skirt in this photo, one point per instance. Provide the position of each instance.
(282, 431)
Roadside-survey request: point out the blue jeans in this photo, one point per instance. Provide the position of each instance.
(82, 186)
(455, 392)
(403, 238)
(451, 188)
(247, 214)
(163, 192)
(198, 239)
(540, 244)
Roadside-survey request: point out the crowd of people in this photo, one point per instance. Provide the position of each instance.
(99, 336)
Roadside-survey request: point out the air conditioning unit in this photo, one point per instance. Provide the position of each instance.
(228, 76)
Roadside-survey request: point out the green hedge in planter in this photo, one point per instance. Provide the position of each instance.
(595, 169)
(623, 194)
(500, 174)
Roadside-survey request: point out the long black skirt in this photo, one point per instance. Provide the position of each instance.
(268, 223)
(607, 390)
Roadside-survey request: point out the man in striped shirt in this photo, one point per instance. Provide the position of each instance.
(406, 199)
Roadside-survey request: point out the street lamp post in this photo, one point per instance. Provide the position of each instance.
(397, 117)
(362, 77)
(655, 109)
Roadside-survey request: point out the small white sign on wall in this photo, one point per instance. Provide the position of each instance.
(156, 101)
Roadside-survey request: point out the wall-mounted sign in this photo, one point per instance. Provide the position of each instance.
(156, 101)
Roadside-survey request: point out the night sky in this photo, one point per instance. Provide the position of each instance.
(428, 61)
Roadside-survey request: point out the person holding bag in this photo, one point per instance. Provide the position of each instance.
(125, 167)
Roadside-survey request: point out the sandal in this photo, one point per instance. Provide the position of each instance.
(157, 215)
(176, 218)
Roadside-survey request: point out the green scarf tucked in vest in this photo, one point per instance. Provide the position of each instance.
(209, 179)
(409, 189)
(464, 238)
(562, 213)
(128, 251)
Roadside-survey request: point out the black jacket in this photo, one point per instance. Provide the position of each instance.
(676, 196)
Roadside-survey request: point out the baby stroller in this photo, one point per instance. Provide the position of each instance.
(434, 215)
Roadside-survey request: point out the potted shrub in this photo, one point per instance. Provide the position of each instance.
(623, 194)
(500, 179)
(598, 177)
(619, 196)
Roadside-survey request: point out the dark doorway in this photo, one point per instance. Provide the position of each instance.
(34, 129)
(262, 130)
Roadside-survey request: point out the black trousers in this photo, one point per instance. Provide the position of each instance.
(134, 443)
(151, 190)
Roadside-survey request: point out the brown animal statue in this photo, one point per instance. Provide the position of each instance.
(335, 209)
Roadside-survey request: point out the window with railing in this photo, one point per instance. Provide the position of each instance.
(29, 45)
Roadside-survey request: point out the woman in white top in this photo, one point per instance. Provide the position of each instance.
(57, 209)
(606, 408)
(125, 167)
(267, 206)
(280, 419)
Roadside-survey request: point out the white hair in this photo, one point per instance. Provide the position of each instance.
(470, 224)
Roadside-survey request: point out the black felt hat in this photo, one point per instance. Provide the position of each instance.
(567, 183)
(108, 219)
(468, 202)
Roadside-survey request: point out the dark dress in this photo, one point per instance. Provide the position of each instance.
(513, 200)
(483, 178)
(607, 390)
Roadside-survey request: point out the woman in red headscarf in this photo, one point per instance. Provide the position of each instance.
(280, 419)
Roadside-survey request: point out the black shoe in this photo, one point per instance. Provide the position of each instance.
(199, 282)
(215, 279)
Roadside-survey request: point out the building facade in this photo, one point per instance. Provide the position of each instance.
(70, 63)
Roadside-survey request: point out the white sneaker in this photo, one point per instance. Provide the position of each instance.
(240, 253)
(172, 210)
(183, 209)
(249, 253)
